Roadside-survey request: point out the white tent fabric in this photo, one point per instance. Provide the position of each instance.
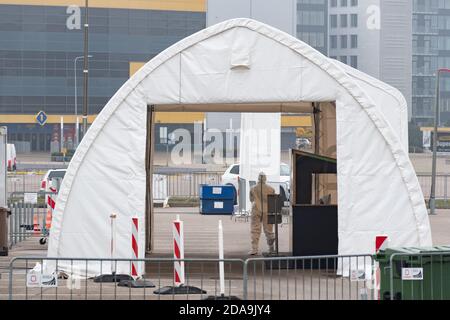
(260, 149)
(390, 100)
(377, 187)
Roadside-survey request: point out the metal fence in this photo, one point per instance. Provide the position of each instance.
(28, 219)
(287, 278)
(71, 280)
(418, 276)
(442, 184)
(188, 184)
(164, 185)
(24, 181)
(309, 278)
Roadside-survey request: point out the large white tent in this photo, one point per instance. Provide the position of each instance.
(242, 65)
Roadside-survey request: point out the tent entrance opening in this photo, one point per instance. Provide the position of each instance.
(322, 136)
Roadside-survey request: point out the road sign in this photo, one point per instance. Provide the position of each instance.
(41, 118)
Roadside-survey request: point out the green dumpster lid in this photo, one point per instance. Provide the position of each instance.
(415, 250)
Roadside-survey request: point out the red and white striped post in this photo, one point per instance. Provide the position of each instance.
(135, 246)
(381, 243)
(221, 264)
(178, 252)
(50, 207)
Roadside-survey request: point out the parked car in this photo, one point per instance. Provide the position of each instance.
(11, 157)
(303, 143)
(52, 173)
(231, 176)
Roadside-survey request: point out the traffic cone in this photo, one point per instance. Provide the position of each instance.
(36, 225)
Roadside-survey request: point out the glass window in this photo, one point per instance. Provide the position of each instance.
(354, 20)
(235, 169)
(333, 42)
(344, 21)
(344, 42)
(354, 61)
(333, 21)
(56, 174)
(354, 41)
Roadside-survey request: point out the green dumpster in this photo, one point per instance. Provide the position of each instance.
(417, 273)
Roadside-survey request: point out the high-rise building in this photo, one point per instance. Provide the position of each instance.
(444, 59)
(431, 51)
(374, 36)
(277, 13)
(425, 59)
(304, 19)
(312, 23)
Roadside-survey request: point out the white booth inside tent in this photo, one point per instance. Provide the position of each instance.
(242, 65)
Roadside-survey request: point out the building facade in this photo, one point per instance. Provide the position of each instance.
(41, 49)
(431, 51)
(444, 59)
(312, 23)
(425, 59)
(374, 36)
(304, 19)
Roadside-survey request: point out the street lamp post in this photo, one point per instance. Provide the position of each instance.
(86, 67)
(435, 139)
(76, 98)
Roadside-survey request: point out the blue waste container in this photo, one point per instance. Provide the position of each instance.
(217, 199)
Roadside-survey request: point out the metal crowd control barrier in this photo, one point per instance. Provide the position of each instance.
(72, 282)
(442, 184)
(164, 184)
(287, 278)
(27, 219)
(309, 278)
(418, 276)
(26, 181)
(187, 184)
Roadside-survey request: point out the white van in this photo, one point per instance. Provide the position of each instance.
(51, 174)
(11, 157)
(231, 177)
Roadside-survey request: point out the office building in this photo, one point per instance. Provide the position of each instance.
(374, 36)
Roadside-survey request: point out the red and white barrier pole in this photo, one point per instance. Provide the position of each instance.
(135, 246)
(221, 264)
(50, 207)
(178, 271)
(178, 252)
(381, 243)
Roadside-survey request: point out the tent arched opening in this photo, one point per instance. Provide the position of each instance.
(246, 66)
